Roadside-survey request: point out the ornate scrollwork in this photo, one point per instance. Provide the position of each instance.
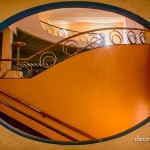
(70, 47)
(24, 67)
(142, 37)
(50, 29)
(96, 40)
(71, 33)
(48, 57)
(132, 37)
(75, 43)
(115, 37)
(83, 38)
(3, 70)
(61, 32)
(90, 36)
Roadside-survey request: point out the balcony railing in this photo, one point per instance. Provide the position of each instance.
(57, 31)
(73, 45)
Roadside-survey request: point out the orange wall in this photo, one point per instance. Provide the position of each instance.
(103, 91)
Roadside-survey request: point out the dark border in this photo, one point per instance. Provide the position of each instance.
(74, 4)
(21, 133)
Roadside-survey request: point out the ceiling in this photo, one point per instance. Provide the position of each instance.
(71, 15)
(75, 18)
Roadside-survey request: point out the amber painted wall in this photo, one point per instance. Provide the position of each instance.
(103, 91)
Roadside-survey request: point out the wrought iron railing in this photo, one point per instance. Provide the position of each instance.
(44, 114)
(64, 32)
(74, 45)
(58, 31)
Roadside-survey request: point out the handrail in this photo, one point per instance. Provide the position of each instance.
(73, 45)
(58, 27)
(70, 37)
(39, 121)
(49, 116)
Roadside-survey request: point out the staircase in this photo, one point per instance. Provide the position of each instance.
(83, 96)
(72, 45)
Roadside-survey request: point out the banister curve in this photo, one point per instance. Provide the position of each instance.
(71, 46)
(58, 27)
(38, 121)
(44, 114)
(70, 37)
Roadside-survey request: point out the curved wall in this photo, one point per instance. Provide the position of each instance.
(102, 92)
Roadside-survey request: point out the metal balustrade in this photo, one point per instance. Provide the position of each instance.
(73, 45)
